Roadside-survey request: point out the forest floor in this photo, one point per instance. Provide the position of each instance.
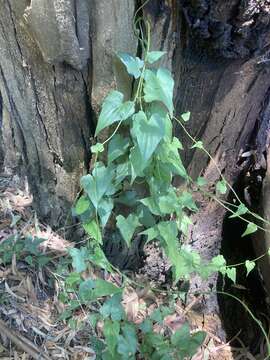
(34, 321)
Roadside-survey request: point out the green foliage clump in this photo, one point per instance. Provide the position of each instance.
(132, 189)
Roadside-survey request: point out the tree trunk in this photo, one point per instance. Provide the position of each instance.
(57, 63)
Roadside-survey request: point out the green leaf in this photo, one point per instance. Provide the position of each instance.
(127, 226)
(231, 273)
(73, 279)
(241, 210)
(137, 163)
(201, 181)
(153, 56)
(97, 148)
(159, 87)
(93, 230)
(168, 154)
(15, 220)
(132, 64)
(31, 244)
(98, 258)
(181, 336)
(198, 145)
(111, 331)
(186, 201)
(79, 258)
(98, 183)
(146, 326)
(117, 147)
(145, 216)
(221, 187)
(157, 316)
(219, 264)
(82, 205)
(169, 203)
(186, 116)
(176, 144)
(148, 133)
(113, 308)
(187, 345)
(128, 198)
(160, 109)
(105, 209)
(250, 265)
(91, 290)
(185, 223)
(114, 110)
(127, 343)
(152, 205)
(251, 228)
(168, 230)
(151, 233)
(122, 171)
(186, 263)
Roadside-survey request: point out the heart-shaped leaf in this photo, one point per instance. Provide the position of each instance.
(127, 226)
(114, 110)
(159, 87)
(148, 133)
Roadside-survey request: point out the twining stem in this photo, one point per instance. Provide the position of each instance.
(220, 173)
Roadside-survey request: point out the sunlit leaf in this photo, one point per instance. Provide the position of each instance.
(159, 87)
(251, 228)
(221, 187)
(93, 230)
(151, 233)
(97, 148)
(231, 273)
(148, 133)
(198, 145)
(201, 181)
(186, 116)
(114, 110)
(97, 184)
(241, 210)
(185, 223)
(154, 56)
(133, 64)
(250, 265)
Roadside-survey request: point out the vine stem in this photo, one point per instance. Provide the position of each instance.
(220, 173)
(210, 157)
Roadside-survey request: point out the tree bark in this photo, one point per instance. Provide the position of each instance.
(57, 63)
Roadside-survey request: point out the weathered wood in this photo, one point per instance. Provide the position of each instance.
(57, 63)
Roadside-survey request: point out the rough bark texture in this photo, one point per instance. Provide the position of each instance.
(220, 63)
(47, 71)
(45, 97)
(58, 56)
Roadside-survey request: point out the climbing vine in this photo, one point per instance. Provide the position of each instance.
(131, 188)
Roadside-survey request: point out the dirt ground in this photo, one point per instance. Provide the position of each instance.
(32, 325)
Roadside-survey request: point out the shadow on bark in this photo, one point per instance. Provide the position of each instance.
(249, 289)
